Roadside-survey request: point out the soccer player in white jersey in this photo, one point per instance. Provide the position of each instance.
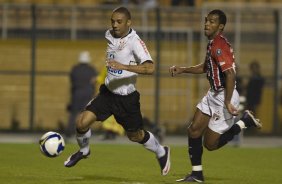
(127, 56)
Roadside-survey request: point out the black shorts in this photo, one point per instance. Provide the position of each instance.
(126, 109)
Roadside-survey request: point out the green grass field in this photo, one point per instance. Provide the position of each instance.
(132, 164)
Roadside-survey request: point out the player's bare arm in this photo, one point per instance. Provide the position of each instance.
(197, 69)
(145, 68)
(230, 85)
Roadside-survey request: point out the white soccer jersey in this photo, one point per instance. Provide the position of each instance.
(129, 50)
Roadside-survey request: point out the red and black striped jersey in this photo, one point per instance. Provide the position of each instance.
(219, 58)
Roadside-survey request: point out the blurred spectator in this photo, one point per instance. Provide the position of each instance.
(110, 2)
(240, 86)
(238, 139)
(149, 3)
(182, 2)
(83, 79)
(281, 96)
(239, 83)
(254, 87)
(143, 3)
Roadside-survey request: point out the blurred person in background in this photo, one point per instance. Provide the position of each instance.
(182, 2)
(143, 3)
(83, 81)
(240, 87)
(213, 123)
(254, 87)
(127, 56)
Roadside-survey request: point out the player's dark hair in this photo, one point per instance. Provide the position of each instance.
(124, 11)
(221, 16)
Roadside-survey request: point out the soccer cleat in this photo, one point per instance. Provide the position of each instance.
(164, 161)
(250, 121)
(74, 158)
(192, 178)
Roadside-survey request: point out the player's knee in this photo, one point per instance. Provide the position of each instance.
(135, 136)
(193, 132)
(85, 120)
(81, 125)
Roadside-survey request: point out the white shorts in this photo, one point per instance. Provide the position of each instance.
(213, 105)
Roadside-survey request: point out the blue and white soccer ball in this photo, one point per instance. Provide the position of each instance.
(52, 144)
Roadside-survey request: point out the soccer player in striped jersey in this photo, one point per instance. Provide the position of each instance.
(213, 122)
(127, 56)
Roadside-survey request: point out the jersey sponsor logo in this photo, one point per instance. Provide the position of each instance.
(114, 72)
(111, 55)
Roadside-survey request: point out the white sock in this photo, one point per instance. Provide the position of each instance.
(83, 141)
(153, 145)
(197, 168)
(241, 124)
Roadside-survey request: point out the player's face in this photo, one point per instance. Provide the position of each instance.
(120, 24)
(212, 26)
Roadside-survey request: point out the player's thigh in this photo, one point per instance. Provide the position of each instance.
(199, 124)
(102, 104)
(85, 119)
(128, 113)
(211, 139)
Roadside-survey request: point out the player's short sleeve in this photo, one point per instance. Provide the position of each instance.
(140, 50)
(223, 54)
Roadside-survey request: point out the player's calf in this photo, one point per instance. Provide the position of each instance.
(211, 147)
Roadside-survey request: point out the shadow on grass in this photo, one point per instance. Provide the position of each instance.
(98, 178)
(208, 180)
(211, 180)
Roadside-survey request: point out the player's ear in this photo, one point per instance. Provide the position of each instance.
(221, 26)
(128, 23)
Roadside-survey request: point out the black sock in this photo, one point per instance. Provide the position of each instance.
(195, 152)
(228, 136)
(146, 137)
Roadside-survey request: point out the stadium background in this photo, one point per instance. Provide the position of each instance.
(40, 43)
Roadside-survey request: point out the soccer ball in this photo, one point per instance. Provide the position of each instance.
(52, 144)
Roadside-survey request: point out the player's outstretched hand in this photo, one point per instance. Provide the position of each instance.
(174, 70)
